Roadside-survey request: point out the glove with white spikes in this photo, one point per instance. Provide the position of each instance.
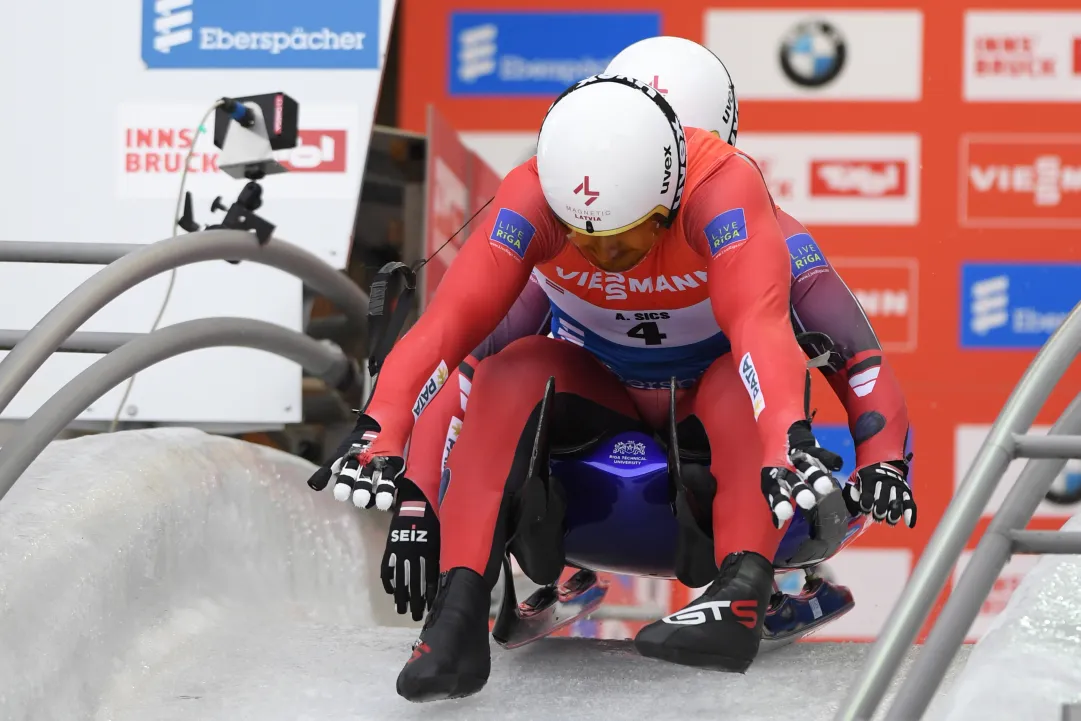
(808, 483)
(881, 491)
(359, 472)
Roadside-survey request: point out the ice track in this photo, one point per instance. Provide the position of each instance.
(172, 575)
(304, 672)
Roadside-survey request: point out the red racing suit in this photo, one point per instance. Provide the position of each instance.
(860, 374)
(725, 321)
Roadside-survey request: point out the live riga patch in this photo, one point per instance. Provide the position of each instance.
(804, 253)
(727, 229)
(512, 231)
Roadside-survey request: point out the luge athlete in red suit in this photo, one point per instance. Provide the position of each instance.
(595, 322)
(699, 88)
(619, 196)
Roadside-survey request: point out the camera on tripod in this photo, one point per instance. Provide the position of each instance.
(248, 130)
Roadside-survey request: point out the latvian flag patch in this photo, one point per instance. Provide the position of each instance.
(413, 508)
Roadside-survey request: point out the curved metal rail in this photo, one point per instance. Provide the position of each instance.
(1006, 535)
(318, 358)
(77, 342)
(133, 267)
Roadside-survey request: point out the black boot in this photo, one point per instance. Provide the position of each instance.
(722, 628)
(451, 659)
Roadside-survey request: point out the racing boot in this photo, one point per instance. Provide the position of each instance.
(451, 659)
(722, 628)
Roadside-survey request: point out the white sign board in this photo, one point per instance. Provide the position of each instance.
(100, 137)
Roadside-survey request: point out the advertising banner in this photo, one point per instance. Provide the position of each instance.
(841, 179)
(1016, 180)
(537, 53)
(796, 55)
(933, 151)
(283, 35)
(104, 165)
(447, 204)
(459, 184)
(1025, 55)
(1015, 305)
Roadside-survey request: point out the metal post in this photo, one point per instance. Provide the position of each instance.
(1034, 543)
(316, 357)
(979, 576)
(1065, 446)
(150, 260)
(948, 540)
(80, 342)
(25, 251)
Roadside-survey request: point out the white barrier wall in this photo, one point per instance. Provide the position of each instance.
(1028, 663)
(116, 549)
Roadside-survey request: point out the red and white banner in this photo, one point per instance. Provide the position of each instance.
(459, 183)
(1023, 56)
(1014, 180)
(154, 140)
(833, 179)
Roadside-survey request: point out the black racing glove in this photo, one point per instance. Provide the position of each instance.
(881, 490)
(808, 483)
(358, 474)
(410, 567)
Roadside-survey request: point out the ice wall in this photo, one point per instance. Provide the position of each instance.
(1028, 664)
(114, 549)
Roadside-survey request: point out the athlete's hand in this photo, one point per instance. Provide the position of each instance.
(359, 471)
(881, 490)
(810, 480)
(410, 567)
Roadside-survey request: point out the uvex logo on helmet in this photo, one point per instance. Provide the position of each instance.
(681, 175)
(731, 114)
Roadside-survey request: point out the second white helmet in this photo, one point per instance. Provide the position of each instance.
(692, 79)
(610, 155)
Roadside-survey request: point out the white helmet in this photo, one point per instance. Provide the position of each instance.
(611, 154)
(692, 79)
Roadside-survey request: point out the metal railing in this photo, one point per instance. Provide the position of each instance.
(1005, 536)
(132, 265)
(130, 353)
